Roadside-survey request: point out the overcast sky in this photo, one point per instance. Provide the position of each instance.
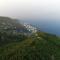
(30, 9)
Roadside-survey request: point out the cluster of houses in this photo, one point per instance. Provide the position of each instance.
(30, 28)
(9, 27)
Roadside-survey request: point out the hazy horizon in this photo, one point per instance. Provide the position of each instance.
(45, 13)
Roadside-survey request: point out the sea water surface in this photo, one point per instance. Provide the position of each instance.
(50, 26)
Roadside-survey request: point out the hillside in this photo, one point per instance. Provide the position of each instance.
(10, 24)
(15, 45)
(10, 30)
(35, 47)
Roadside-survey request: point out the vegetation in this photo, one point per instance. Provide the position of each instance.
(6, 37)
(31, 48)
(17, 44)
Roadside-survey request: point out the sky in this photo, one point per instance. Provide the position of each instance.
(48, 9)
(30, 9)
(44, 13)
(16, 8)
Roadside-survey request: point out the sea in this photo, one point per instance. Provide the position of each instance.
(49, 26)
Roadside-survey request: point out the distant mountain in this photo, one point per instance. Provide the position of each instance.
(7, 23)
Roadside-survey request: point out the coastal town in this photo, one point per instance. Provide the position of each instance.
(30, 28)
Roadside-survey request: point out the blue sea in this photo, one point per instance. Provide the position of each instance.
(52, 26)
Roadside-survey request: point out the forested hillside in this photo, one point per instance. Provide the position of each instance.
(17, 45)
(11, 25)
(35, 47)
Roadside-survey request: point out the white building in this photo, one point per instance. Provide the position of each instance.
(30, 28)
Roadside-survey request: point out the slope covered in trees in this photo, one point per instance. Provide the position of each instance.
(16, 45)
(11, 25)
(42, 46)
